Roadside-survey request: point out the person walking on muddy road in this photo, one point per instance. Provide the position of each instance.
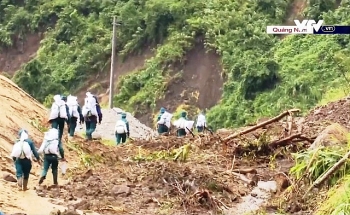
(122, 129)
(51, 150)
(163, 121)
(58, 115)
(22, 156)
(92, 114)
(201, 122)
(75, 113)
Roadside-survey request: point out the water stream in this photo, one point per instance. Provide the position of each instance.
(253, 201)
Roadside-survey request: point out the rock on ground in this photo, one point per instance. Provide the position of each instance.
(110, 116)
(334, 134)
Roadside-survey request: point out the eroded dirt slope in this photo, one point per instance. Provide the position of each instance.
(18, 110)
(11, 59)
(199, 86)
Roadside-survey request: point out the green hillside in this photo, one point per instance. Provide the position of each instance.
(264, 73)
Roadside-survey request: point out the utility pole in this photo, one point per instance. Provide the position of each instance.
(111, 78)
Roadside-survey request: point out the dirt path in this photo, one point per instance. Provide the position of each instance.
(13, 201)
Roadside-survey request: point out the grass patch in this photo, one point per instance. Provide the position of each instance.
(108, 142)
(333, 95)
(36, 123)
(338, 199)
(310, 166)
(85, 159)
(179, 154)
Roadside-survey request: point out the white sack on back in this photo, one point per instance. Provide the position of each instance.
(58, 108)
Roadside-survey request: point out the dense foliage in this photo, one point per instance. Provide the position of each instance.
(265, 74)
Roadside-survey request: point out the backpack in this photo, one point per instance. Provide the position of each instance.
(165, 119)
(21, 150)
(51, 146)
(72, 104)
(89, 108)
(58, 111)
(180, 123)
(120, 127)
(73, 111)
(201, 121)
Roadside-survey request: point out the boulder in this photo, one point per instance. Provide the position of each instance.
(334, 134)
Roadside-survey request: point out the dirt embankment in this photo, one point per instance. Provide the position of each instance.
(18, 110)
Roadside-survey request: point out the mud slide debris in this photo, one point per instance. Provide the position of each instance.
(170, 175)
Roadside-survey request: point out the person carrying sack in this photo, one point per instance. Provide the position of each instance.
(75, 113)
(91, 111)
(22, 156)
(50, 149)
(180, 124)
(201, 122)
(58, 115)
(161, 126)
(122, 129)
(164, 121)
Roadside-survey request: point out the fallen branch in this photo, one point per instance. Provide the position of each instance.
(293, 138)
(284, 141)
(113, 208)
(327, 174)
(260, 125)
(245, 171)
(310, 140)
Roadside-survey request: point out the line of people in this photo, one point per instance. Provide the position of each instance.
(67, 110)
(63, 110)
(90, 113)
(183, 125)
